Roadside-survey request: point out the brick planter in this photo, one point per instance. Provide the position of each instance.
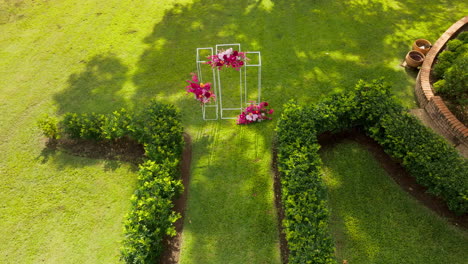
(434, 105)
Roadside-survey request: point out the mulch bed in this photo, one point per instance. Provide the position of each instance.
(128, 150)
(124, 149)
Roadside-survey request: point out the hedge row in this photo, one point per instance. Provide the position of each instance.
(433, 162)
(425, 155)
(451, 68)
(303, 192)
(159, 129)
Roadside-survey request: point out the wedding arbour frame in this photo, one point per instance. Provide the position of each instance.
(215, 76)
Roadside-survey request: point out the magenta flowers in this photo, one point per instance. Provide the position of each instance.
(255, 113)
(227, 58)
(202, 91)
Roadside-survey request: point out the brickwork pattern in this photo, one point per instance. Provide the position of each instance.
(434, 105)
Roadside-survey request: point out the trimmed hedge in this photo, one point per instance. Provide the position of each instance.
(451, 68)
(303, 192)
(158, 128)
(433, 162)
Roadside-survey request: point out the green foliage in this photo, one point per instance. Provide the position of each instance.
(454, 86)
(88, 126)
(158, 127)
(49, 128)
(433, 162)
(151, 218)
(444, 61)
(117, 124)
(463, 36)
(303, 192)
(452, 71)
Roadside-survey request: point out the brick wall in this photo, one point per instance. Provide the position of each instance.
(434, 105)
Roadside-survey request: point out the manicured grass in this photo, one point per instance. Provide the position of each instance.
(375, 221)
(58, 208)
(59, 56)
(231, 216)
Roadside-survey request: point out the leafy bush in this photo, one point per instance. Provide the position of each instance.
(451, 70)
(303, 192)
(432, 161)
(49, 127)
(88, 126)
(454, 86)
(117, 124)
(426, 156)
(159, 129)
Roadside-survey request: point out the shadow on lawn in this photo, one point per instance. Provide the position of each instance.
(96, 88)
(231, 214)
(308, 50)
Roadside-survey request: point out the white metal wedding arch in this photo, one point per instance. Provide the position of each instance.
(222, 106)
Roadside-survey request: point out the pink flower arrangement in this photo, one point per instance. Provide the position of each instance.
(228, 58)
(255, 113)
(202, 91)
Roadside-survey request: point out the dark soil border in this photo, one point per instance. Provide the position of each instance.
(123, 149)
(408, 183)
(172, 245)
(397, 172)
(128, 150)
(284, 250)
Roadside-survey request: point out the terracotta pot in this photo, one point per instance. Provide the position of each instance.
(414, 58)
(422, 46)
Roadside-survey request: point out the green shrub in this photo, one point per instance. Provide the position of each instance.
(463, 36)
(427, 157)
(49, 128)
(71, 125)
(303, 192)
(432, 161)
(452, 71)
(454, 86)
(158, 128)
(151, 218)
(87, 126)
(117, 124)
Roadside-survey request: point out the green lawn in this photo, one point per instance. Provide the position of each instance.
(374, 221)
(83, 56)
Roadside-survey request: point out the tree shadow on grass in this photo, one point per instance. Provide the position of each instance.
(231, 218)
(308, 51)
(96, 89)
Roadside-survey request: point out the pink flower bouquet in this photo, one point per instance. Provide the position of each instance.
(255, 113)
(228, 58)
(202, 91)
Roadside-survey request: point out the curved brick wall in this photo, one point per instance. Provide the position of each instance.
(434, 105)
